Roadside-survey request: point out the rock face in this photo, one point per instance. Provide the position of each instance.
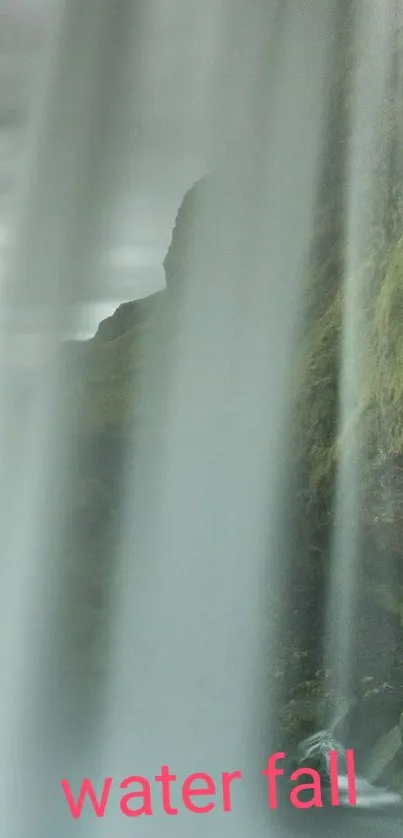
(373, 435)
(103, 403)
(103, 408)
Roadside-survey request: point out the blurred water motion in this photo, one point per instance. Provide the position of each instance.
(201, 392)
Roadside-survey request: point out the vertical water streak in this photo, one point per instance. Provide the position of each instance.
(199, 529)
(41, 295)
(374, 31)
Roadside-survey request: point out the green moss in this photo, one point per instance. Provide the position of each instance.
(374, 428)
(372, 433)
(387, 366)
(317, 401)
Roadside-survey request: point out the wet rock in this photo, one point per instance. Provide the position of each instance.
(383, 756)
(127, 316)
(371, 718)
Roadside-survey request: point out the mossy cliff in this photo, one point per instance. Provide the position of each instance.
(104, 397)
(105, 401)
(106, 409)
(347, 417)
(370, 434)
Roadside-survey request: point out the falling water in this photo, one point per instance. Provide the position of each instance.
(39, 297)
(184, 687)
(199, 524)
(374, 41)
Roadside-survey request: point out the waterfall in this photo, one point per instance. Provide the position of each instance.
(375, 29)
(185, 688)
(192, 550)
